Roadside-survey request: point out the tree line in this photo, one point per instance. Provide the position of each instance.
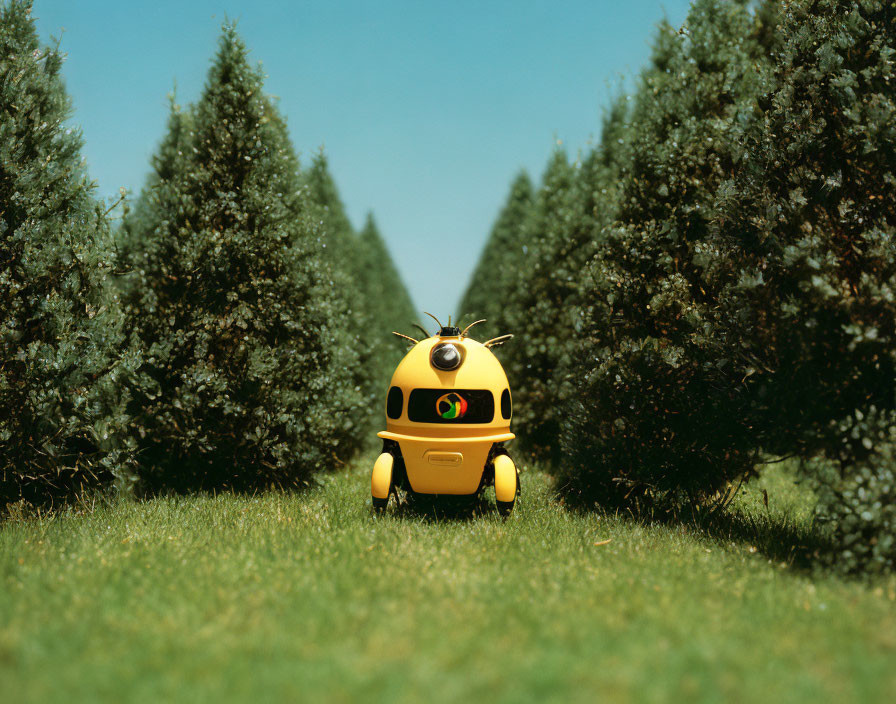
(710, 288)
(219, 337)
(713, 286)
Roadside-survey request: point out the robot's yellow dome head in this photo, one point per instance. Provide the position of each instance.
(449, 378)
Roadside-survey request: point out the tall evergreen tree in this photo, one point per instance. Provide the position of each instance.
(488, 294)
(60, 415)
(661, 408)
(245, 381)
(531, 359)
(528, 277)
(548, 297)
(811, 298)
(165, 164)
(342, 251)
(388, 301)
(373, 296)
(340, 234)
(741, 301)
(814, 259)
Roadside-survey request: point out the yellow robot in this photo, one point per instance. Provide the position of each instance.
(447, 419)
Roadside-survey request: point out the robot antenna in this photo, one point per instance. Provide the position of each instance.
(495, 341)
(436, 319)
(463, 334)
(405, 337)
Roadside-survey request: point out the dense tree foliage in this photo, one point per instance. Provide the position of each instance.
(337, 228)
(723, 263)
(245, 378)
(562, 231)
(367, 287)
(754, 312)
(815, 203)
(661, 406)
(497, 271)
(389, 307)
(165, 164)
(712, 285)
(61, 419)
(531, 314)
(528, 278)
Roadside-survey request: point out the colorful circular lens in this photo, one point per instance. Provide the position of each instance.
(451, 406)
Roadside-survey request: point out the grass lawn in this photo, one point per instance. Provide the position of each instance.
(288, 597)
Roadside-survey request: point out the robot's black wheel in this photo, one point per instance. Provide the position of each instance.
(379, 505)
(505, 507)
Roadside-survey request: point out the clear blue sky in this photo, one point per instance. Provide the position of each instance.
(426, 110)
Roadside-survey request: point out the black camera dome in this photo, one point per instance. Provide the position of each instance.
(446, 357)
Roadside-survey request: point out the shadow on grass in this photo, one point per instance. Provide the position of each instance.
(88, 501)
(778, 535)
(441, 509)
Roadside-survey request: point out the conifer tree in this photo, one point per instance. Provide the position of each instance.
(340, 234)
(165, 164)
(533, 315)
(814, 274)
(60, 416)
(245, 379)
(388, 302)
(660, 406)
(548, 297)
(534, 287)
(373, 296)
(742, 300)
(343, 253)
(495, 278)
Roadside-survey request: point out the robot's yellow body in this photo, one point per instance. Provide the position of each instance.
(447, 416)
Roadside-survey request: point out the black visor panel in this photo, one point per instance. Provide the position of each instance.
(451, 406)
(394, 402)
(505, 404)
